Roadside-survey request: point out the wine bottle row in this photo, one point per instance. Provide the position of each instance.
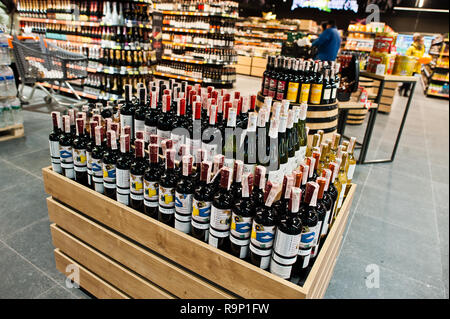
(212, 24)
(211, 56)
(301, 81)
(202, 73)
(219, 202)
(211, 40)
(216, 7)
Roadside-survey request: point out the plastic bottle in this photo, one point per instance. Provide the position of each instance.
(2, 120)
(4, 49)
(17, 111)
(10, 83)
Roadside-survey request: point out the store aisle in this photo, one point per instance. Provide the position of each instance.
(398, 222)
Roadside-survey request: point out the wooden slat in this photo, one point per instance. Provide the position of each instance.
(133, 256)
(224, 269)
(88, 280)
(106, 268)
(319, 126)
(329, 242)
(322, 114)
(327, 281)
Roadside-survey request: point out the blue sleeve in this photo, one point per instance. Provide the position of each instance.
(323, 37)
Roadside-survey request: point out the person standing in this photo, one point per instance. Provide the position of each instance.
(328, 43)
(417, 49)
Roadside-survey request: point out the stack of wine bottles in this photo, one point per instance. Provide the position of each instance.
(301, 81)
(147, 152)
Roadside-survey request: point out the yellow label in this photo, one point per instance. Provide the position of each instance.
(292, 91)
(316, 93)
(304, 94)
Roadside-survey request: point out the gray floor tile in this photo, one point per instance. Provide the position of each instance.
(441, 194)
(20, 279)
(439, 173)
(40, 158)
(413, 254)
(56, 292)
(12, 176)
(24, 145)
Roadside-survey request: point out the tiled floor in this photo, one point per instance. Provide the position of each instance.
(398, 223)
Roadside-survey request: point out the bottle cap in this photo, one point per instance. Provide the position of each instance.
(139, 135)
(80, 126)
(247, 184)
(154, 139)
(205, 171)
(268, 102)
(311, 191)
(298, 176)
(170, 158)
(302, 111)
(290, 119)
(200, 155)
(198, 111)
(181, 109)
(270, 193)
(288, 183)
(260, 177)
(225, 177)
(252, 119)
(56, 119)
(238, 168)
(153, 150)
(187, 164)
(111, 139)
(285, 106)
(316, 156)
(252, 102)
(321, 181)
(213, 115)
(139, 148)
(126, 130)
(305, 172)
(326, 173)
(125, 143)
(218, 163)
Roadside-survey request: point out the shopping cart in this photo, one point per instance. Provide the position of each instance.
(42, 63)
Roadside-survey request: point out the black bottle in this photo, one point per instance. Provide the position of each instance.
(281, 205)
(263, 229)
(166, 193)
(321, 213)
(236, 186)
(183, 196)
(123, 165)
(259, 186)
(201, 203)
(79, 153)
(242, 218)
(109, 165)
(53, 139)
(65, 149)
(151, 182)
(151, 118)
(97, 156)
(127, 110)
(140, 110)
(137, 171)
(219, 226)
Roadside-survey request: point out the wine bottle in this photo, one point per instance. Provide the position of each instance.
(283, 79)
(65, 149)
(272, 149)
(241, 219)
(79, 153)
(151, 118)
(343, 181)
(263, 229)
(273, 78)
(123, 165)
(250, 144)
(219, 227)
(167, 185)
(328, 203)
(137, 171)
(281, 205)
(213, 141)
(164, 127)
(266, 76)
(140, 110)
(309, 218)
(180, 125)
(291, 134)
(201, 203)
(283, 155)
(293, 83)
(321, 214)
(97, 156)
(305, 87)
(183, 196)
(109, 165)
(151, 183)
(259, 186)
(127, 110)
(229, 148)
(327, 88)
(287, 238)
(89, 147)
(236, 187)
(351, 163)
(53, 139)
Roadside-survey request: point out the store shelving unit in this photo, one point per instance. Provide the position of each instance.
(64, 30)
(185, 48)
(435, 76)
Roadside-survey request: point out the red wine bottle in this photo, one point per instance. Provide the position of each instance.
(164, 127)
(281, 205)
(263, 229)
(109, 165)
(65, 149)
(328, 202)
(151, 118)
(167, 185)
(201, 203)
(321, 213)
(79, 153)
(236, 186)
(287, 238)
(97, 156)
(53, 139)
(140, 110)
(127, 110)
(183, 196)
(89, 147)
(199, 158)
(242, 218)
(259, 186)
(219, 226)
(123, 171)
(137, 171)
(151, 182)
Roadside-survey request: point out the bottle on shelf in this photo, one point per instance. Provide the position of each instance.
(65, 149)
(97, 156)
(53, 139)
(166, 193)
(109, 163)
(79, 153)
(137, 171)
(127, 110)
(321, 215)
(184, 192)
(123, 165)
(151, 182)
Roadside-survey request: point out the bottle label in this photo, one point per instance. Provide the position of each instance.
(280, 270)
(266, 86)
(214, 234)
(210, 150)
(109, 175)
(166, 200)
(249, 168)
(325, 223)
(182, 223)
(292, 91)
(272, 88)
(280, 90)
(151, 192)
(333, 93)
(203, 226)
(307, 237)
(201, 212)
(123, 180)
(260, 252)
(213, 241)
(136, 187)
(326, 94)
(183, 204)
(97, 170)
(80, 160)
(54, 154)
(65, 153)
(121, 198)
(126, 120)
(139, 125)
(241, 227)
(243, 246)
(262, 236)
(351, 171)
(319, 232)
(316, 93)
(286, 245)
(89, 162)
(220, 218)
(149, 130)
(304, 93)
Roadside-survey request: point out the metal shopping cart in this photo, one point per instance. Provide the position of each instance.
(42, 63)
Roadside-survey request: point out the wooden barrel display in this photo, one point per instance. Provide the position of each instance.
(356, 117)
(318, 117)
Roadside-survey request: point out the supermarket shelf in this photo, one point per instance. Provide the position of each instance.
(363, 32)
(438, 95)
(439, 80)
(66, 90)
(198, 14)
(193, 45)
(164, 57)
(87, 23)
(360, 50)
(199, 31)
(261, 36)
(179, 77)
(288, 28)
(90, 45)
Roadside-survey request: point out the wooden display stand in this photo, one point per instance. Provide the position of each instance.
(122, 253)
(11, 132)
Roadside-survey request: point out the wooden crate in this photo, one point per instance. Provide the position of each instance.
(11, 132)
(244, 60)
(243, 69)
(385, 108)
(257, 71)
(125, 254)
(259, 62)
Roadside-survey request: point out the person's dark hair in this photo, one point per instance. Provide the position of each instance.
(331, 23)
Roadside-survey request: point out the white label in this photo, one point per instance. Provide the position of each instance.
(151, 191)
(286, 245)
(136, 187)
(326, 94)
(228, 162)
(123, 179)
(97, 168)
(279, 270)
(262, 236)
(241, 227)
(307, 237)
(200, 226)
(109, 175)
(163, 135)
(126, 120)
(54, 154)
(98, 184)
(166, 200)
(139, 125)
(213, 241)
(302, 153)
(149, 130)
(220, 218)
(243, 246)
(80, 160)
(183, 226)
(210, 151)
(333, 93)
(351, 171)
(183, 204)
(201, 212)
(122, 198)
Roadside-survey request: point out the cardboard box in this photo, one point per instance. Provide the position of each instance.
(243, 69)
(259, 62)
(308, 25)
(244, 60)
(256, 71)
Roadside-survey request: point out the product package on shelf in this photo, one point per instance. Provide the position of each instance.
(210, 165)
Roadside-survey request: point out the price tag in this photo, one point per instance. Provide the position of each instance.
(381, 69)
